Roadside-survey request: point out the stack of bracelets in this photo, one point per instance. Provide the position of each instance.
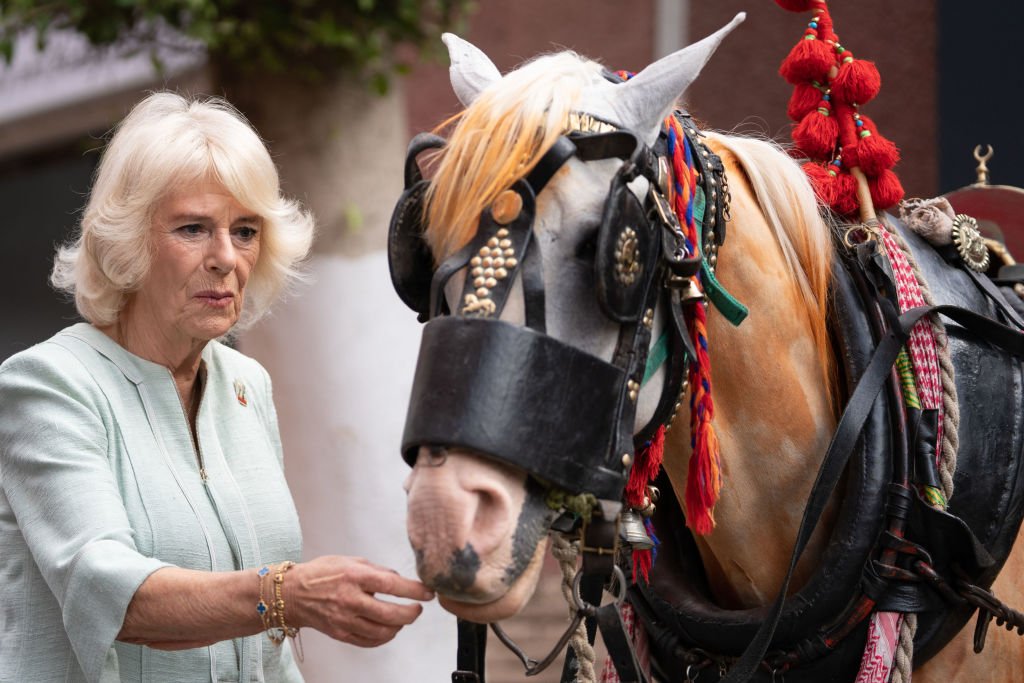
(272, 614)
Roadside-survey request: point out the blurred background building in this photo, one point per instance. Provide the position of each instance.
(342, 350)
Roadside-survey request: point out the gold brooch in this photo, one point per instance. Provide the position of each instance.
(969, 243)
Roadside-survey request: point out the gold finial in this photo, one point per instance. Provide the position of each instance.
(982, 169)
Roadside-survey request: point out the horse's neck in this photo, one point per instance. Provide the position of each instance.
(772, 415)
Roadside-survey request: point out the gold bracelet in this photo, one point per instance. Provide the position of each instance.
(280, 629)
(262, 608)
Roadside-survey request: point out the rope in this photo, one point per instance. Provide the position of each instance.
(901, 673)
(566, 552)
(950, 443)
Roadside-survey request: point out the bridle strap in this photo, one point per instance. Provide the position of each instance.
(471, 649)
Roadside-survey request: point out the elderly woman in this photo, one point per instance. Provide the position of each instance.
(146, 528)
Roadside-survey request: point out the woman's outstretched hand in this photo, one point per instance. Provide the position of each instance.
(337, 596)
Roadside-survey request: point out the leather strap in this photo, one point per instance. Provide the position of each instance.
(842, 445)
(470, 657)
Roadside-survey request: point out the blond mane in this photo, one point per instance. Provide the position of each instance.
(787, 201)
(497, 140)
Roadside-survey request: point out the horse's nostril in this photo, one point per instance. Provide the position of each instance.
(492, 514)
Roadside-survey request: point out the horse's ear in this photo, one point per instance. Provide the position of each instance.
(471, 70)
(642, 103)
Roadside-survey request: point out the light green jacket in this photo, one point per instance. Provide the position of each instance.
(100, 486)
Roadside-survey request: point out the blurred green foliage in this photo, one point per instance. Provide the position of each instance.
(305, 38)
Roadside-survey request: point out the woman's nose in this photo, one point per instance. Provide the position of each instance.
(220, 254)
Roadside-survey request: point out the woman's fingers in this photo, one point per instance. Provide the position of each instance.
(388, 613)
(393, 583)
(366, 633)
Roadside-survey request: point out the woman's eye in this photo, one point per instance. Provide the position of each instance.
(191, 229)
(246, 234)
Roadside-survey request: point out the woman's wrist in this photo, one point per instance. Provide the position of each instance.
(277, 607)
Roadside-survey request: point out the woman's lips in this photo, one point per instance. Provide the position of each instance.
(216, 299)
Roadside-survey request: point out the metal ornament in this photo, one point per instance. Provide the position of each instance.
(627, 267)
(969, 243)
(632, 531)
(507, 207)
(493, 263)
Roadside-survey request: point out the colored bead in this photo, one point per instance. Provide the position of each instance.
(832, 173)
(859, 122)
(826, 97)
(823, 111)
(813, 24)
(865, 133)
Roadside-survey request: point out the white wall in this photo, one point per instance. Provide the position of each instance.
(342, 355)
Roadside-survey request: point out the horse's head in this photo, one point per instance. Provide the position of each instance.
(541, 250)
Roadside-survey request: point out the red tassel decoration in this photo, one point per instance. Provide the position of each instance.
(857, 82)
(642, 563)
(876, 152)
(886, 190)
(797, 5)
(817, 132)
(845, 200)
(822, 181)
(804, 100)
(645, 469)
(809, 60)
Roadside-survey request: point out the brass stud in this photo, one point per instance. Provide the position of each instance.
(501, 273)
(505, 243)
(509, 252)
(503, 232)
(477, 272)
(491, 282)
(479, 282)
(488, 272)
(493, 242)
(483, 292)
(627, 459)
(507, 207)
(511, 262)
(713, 182)
(475, 261)
(487, 262)
(632, 396)
(495, 253)
(498, 262)
(714, 194)
(484, 251)
(711, 234)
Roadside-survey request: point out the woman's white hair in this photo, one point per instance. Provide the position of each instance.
(165, 142)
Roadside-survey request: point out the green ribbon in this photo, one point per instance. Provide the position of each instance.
(726, 303)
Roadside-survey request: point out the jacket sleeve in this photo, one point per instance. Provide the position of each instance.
(55, 474)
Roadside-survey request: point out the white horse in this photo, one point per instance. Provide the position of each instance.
(478, 526)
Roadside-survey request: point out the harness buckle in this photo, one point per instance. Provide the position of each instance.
(665, 213)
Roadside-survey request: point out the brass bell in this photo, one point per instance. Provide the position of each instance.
(691, 293)
(632, 531)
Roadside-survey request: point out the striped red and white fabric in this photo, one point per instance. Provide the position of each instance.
(884, 630)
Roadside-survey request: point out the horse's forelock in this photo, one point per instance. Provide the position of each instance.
(497, 140)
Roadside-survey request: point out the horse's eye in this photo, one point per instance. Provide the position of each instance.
(586, 248)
